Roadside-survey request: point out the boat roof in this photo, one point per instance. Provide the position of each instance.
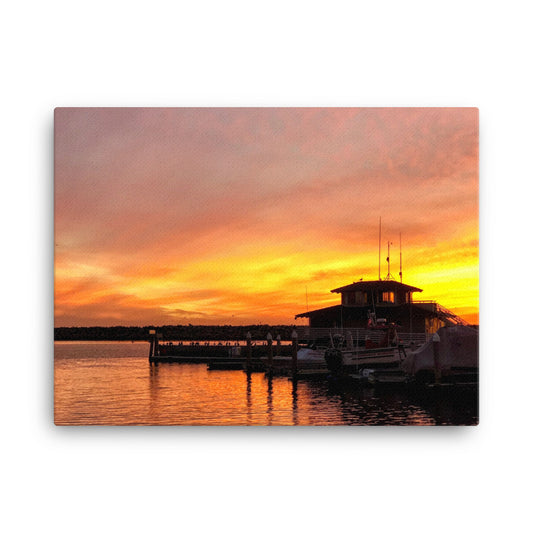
(317, 311)
(381, 285)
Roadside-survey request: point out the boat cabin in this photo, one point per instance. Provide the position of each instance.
(376, 293)
(388, 299)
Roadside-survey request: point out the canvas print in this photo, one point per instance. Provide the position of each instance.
(266, 266)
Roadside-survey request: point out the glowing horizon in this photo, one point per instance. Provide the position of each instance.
(241, 216)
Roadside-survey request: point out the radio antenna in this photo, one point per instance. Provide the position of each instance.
(401, 273)
(388, 261)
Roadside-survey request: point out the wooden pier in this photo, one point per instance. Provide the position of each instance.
(278, 359)
(282, 360)
(218, 352)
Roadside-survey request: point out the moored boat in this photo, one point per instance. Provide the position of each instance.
(344, 358)
(450, 357)
(309, 359)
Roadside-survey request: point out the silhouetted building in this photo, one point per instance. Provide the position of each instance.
(389, 300)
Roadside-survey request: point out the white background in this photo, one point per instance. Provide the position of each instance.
(410, 53)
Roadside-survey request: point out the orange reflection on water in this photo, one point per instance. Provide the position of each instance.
(114, 384)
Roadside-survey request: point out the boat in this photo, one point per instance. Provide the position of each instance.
(450, 357)
(387, 376)
(310, 358)
(345, 358)
(378, 353)
(311, 354)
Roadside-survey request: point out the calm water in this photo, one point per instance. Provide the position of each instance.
(113, 384)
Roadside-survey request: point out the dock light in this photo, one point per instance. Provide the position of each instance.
(294, 335)
(269, 336)
(248, 335)
(152, 332)
(278, 338)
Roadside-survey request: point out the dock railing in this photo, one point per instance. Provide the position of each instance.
(322, 335)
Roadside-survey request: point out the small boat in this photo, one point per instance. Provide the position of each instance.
(344, 358)
(387, 376)
(310, 358)
(312, 354)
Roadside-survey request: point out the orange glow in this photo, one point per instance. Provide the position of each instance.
(230, 216)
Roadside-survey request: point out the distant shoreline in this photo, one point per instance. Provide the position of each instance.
(171, 333)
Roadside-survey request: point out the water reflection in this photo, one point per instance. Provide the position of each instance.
(449, 406)
(249, 398)
(269, 400)
(97, 388)
(295, 402)
(153, 391)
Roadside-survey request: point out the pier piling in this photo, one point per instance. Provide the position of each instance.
(270, 353)
(294, 337)
(153, 344)
(248, 351)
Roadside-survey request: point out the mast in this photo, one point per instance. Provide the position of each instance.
(389, 277)
(388, 259)
(401, 273)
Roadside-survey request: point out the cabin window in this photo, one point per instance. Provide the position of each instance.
(354, 298)
(361, 298)
(388, 296)
(348, 298)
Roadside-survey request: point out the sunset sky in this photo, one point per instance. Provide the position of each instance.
(251, 215)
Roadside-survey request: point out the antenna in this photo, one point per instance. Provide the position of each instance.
(388, 259)
(401, 273)
(306, 302)
(379, 260)
(389, 277)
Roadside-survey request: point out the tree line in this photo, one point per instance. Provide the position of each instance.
(171, 333)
